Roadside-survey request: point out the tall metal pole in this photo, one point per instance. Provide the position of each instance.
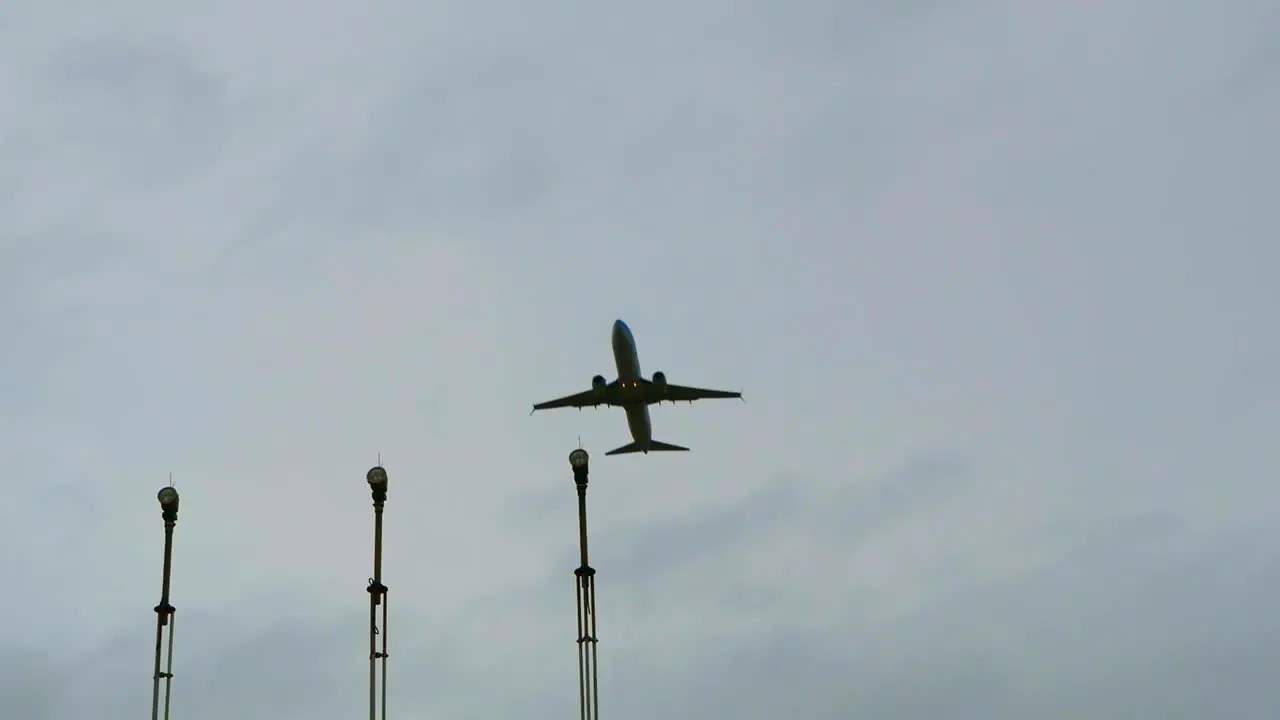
(584, 580)
(377, 478)
(165, 618)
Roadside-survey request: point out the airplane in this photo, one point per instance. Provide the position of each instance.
(632, 392)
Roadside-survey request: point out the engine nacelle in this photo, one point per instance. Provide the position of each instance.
(599, 385)
(660, 384)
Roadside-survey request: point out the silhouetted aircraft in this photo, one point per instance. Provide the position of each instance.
(632, 392)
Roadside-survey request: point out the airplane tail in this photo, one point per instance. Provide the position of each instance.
(653, 446)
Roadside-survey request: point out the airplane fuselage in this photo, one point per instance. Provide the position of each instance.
(634, 393)
(627, 361)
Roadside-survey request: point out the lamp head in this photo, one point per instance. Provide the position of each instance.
(168, 497)
(377, 478)
(578, 459)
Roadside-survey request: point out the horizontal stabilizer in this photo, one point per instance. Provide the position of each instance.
(653, 446)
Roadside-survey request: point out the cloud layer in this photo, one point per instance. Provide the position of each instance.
(996, 278)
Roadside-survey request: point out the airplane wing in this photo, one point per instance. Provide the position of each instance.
(578, 400)
(683, 393)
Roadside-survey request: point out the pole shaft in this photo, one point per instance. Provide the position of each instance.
(168, 562)
(168, 672)
(584, 580)
(377, 541)
(384, 655)
(373, 655)
(377, 596)
(595, 658)
(162, 620)
(155, 683)
(582, 522)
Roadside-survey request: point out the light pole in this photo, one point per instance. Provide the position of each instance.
(584, 580)
(377, 479)
(165, 618)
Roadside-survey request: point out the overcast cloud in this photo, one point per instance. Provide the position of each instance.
(997, 278)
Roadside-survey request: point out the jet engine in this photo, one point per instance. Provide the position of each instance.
(660, 384)
(599, 385)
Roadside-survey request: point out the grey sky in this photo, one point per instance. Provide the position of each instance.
(998, 280)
